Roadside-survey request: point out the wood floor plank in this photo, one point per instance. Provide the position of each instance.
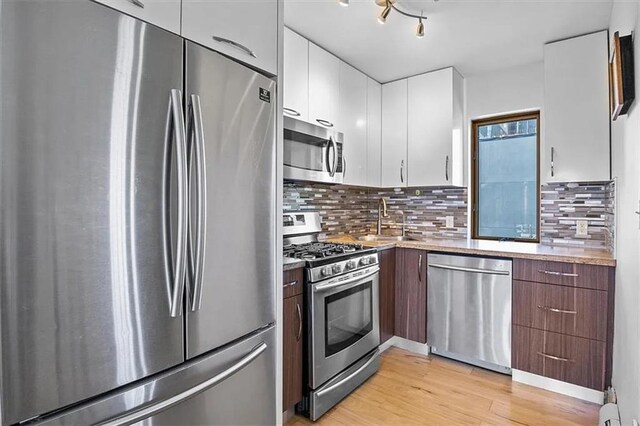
(413, 389)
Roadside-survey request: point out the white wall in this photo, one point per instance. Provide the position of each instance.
(625, 138)
(508, 90)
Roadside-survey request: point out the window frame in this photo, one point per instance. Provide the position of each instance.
(504, 118)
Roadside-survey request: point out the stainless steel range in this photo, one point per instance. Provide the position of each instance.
(341, 299)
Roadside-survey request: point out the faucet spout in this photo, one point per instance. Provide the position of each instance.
(382, 212)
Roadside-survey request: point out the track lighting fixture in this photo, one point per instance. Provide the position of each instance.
(389, 5)
(385, 12)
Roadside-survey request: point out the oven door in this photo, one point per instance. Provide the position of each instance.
(344, 323)
(312, 153)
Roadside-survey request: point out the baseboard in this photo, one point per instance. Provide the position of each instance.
(409, 345)
(557, 386)
(288, 415)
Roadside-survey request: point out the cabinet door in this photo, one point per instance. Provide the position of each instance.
(352, 121)
(374, 132)
(576, 110)
(394, 134)
(244, 30)
(430, 115)
(324, 86)
(292, 352)
(411, 295)
(387, 298)
(163, 13)
(296, 75)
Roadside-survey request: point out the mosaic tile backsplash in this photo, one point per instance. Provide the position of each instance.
(354, 210)
(562, 204)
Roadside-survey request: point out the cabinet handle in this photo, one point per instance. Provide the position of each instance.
(446, 168)
(291, 112)
(299, 312)
(559, 311)
(553, 151)
(138, 3)
(324, 122)
(291, 284)
(235, 44)
(402, 171)
(420, 268)
(556, 358)
(558, 274)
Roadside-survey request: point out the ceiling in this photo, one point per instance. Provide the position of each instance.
(474, 36)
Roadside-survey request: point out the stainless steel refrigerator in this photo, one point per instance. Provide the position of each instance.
(137, 224)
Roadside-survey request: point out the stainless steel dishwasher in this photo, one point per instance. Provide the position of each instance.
(469, 310)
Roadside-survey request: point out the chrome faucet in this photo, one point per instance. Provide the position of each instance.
(382, 212)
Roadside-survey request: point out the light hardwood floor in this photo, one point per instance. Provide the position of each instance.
(413, 389)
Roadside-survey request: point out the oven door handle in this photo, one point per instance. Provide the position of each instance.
(350, 376)
(329, 286)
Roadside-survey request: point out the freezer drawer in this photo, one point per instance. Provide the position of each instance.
(235, 385)
(469, 309)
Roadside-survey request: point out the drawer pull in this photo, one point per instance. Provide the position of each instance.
(559, 311)
(558, 274)
(556, 358)
(291, 284)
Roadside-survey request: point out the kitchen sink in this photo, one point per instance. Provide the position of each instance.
(383, 238)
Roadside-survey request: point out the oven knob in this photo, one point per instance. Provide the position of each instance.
(364, 261)
(326, 271)
(351, 264)
(372, 260)
(337, 269)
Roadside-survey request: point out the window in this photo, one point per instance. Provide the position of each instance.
(506, 189)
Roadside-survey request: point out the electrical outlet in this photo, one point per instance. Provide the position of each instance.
(449, 223)
(582, 228)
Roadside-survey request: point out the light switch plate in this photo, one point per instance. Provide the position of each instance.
(449, 223)
(582, 228)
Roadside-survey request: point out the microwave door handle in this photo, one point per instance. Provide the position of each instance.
(335, 156)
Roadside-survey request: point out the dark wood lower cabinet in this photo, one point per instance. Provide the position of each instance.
(558, 356)
(292, 351)
(411, 294)
(387, 295)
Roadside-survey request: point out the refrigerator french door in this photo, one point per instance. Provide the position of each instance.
(103, 225)
(231, 290)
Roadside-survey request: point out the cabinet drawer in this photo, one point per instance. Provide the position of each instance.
(292, 282)
(567, 358)
(569, 274)
(574, 311)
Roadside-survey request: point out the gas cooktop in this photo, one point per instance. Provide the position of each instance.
(319, 250)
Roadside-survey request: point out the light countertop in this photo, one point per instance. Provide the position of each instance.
(497, 248)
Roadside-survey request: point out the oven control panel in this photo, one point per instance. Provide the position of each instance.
(341, 267)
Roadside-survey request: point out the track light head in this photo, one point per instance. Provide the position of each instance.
(385, 12)
(344, 3)
(420, 29)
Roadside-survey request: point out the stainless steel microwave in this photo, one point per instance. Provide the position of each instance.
(312, 153)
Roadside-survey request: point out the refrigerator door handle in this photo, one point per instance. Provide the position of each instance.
(175, 125)
(154, 409)
(196, 130)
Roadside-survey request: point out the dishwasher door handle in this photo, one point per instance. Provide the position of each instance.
(467, 269)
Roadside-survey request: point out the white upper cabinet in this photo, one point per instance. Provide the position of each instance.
(435, 131)
(162, 13)
(374, 129)
(352, 122)
(296, 75)
(324, 87)
(244, 30)
(394, 134)
(576, 110)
